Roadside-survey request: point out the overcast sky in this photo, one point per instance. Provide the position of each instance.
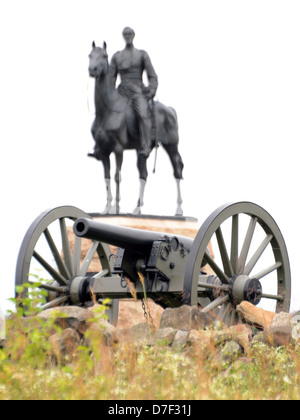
(229, 68)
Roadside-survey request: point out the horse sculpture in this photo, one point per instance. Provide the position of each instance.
(115, 129)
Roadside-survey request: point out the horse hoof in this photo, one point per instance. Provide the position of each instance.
(179, 212)
(113, 210)
(137, 211)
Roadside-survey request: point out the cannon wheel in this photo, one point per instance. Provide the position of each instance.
(239, 230)
(49, 233)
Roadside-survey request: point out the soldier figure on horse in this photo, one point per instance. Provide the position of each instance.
(123, 118)
(130, 65)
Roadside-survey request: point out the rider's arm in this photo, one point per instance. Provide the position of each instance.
(151, 74)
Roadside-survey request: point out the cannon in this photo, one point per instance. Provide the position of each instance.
(73, 254)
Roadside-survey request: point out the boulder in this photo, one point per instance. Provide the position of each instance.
(242, 334)
(279, 333)
(230, 352)
(255, 316)
(64, 344)
(166, 335)
(69, 317)
(131, 313)
(184, 318)
(102, 329)
(201, 341)
(296, 326)
(180, 340)
(140, 334)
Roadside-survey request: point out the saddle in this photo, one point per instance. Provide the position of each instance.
(132, 124)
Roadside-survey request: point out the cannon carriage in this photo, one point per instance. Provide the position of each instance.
(74, 255)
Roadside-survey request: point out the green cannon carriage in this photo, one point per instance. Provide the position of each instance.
(250, 262)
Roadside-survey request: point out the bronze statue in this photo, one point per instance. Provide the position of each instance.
(123, 118)
(130, 64)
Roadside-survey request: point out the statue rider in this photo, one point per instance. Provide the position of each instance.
(130, 64)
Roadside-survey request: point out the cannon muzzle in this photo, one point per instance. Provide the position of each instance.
(135, 240)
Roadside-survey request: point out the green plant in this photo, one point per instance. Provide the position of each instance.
(126, 371)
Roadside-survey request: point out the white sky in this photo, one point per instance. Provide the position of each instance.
(231, 69)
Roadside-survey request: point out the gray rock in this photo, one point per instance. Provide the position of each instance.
(184, 318)
(279, 333)
(141, 334)
(296, 326)
(230, 352)
(166, 335)
(65, 343)
(167, 319)
(69, 317)
(180, 340)
(103, 329)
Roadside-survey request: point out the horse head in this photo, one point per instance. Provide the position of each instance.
(98, 61)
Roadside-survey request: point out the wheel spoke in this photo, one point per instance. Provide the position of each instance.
(214, 266)
(223, 312)
(275, 297)
(56, 254)
(56, 302)
(267, 271)
(55, 275)
(246, 246)
(232, 316)
(224, 254)
(214, 304)
(66, 246)
(227, 314)
(249, 267)
(77, 255)
(253, 236)
(234, 242)
(213, 286)
(51, 288)
(88, 259)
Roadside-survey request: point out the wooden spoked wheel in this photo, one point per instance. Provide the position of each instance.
(250, 263)
(51, 252)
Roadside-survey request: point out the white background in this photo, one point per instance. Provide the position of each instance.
(231, 69)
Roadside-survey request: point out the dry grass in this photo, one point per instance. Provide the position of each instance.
(28, 370)
(125, 372)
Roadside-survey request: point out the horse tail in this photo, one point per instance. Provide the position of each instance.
(166, 125)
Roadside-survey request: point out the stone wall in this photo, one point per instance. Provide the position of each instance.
(180, 328)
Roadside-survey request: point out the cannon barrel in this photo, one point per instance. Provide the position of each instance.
(136, 240)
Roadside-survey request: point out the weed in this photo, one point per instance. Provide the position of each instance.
(119, 372)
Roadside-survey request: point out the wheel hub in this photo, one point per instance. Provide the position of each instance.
(79, 290)
(244, 288)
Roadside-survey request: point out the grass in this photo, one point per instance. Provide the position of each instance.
(29, 371)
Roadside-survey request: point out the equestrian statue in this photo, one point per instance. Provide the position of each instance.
(128, 118)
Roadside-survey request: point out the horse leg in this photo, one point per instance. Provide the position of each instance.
(177, 164)
(179, 210)
(109, 197)
(119, 162)
(142, 167)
